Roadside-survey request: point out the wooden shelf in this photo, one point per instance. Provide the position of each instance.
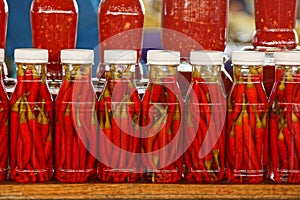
(147, 191)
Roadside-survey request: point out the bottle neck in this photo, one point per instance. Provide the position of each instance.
(245, 74)
(206, 73)
(163, 73)
(31, 72)
(120, 72)
(287, 73)
(77, 72)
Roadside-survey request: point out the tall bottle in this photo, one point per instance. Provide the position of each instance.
(76, 119)
(54, 27)
(120, 26)
(285, 119)
(119, 117)
(247, 120)
(161, 119)
(194, 24)
(205, 118)
(275, 24)
(4, 105)
(31, 114)
(3, 22)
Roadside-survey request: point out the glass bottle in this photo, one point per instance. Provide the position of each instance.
(119, 117)
(275, 23)
(247, 120)
(194, 24)
(4, 105)
(31, 115)
(284, 119)
(3, 22)
(54, 27)
(76, 119)
(120, 26)
(161, 119)
(204, 160)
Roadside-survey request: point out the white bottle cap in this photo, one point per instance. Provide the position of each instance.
(163, 57)
(31, 55)
(206, 57)
(247, 58)
(287, 58)
(120, 56)
(2, 55)
(77, 56)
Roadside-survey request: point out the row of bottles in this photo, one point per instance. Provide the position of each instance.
(162, 138)
(186, 25)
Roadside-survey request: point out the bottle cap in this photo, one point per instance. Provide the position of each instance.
(287, 58)
(120, 56)
(2, 55)
(31, 55)
(77, 56)
(247, 58)
(206, 57)
(163, 57)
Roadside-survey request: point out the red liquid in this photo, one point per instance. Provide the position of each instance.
(3, 22)
(275, 23)
(120, 26)
(194, 24)
(54, 27)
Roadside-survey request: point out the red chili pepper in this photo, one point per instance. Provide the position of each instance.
(274, 149)
(68, 129)
(25, 134)
(238, 140)
(48, 149)
(75, 154)
(296, 129)
(283, 153)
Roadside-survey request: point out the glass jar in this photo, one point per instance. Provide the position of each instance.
(4, 105)
(120, 26)
(285, 119)
(119, 117)
(54, 27)
(31, 118)
(275, 23)
(194, 24)
(247, 120)
(204, 160)
(76, 119)
(161, 119)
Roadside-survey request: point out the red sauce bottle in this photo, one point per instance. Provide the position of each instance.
(120, 26)
(194, 24)
(54, 27)
(275, 23)
(4, 104)
(3, 22)
(285, 119)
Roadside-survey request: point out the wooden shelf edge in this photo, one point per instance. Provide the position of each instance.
(147, 191)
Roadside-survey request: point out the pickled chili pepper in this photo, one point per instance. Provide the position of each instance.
(284, 102)
(203, 101)
(162, 116)
(54, 27)
(75, 137)
(4, 137)
(28, 160)
(247, 121)
(120, 118)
